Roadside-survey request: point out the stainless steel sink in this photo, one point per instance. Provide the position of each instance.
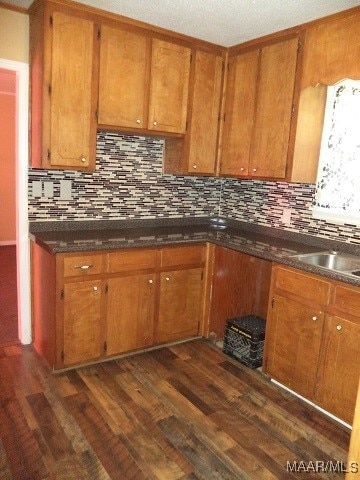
(339, 262)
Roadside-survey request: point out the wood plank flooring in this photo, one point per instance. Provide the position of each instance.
(182, 412)
(8, 296)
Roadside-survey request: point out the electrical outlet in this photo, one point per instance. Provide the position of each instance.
(286, 216)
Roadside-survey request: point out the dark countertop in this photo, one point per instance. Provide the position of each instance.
(268, 243)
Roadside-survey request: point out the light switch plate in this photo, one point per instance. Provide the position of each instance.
(48, 189)
(37, 189)
(65, 190)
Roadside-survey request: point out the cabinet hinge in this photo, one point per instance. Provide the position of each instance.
(186, 125)
(292, 109)
(49, 154)
(299, 46)
(99, 33)
(62, 295)
(223, 66)
(272, 302)
(224, 117)
(97, 114)
(106, 287)
(105, 346)
(62, 355)
(191, 55)
(51, 21)
(49, 89)
(202, 275)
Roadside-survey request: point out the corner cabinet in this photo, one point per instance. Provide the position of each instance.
(64, 54)
(312, 342)
(91, 306)
(258, 111)
(197, 152)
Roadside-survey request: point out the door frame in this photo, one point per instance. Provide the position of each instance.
(22, 219)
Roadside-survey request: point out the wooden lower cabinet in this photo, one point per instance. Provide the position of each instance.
(180, 304)
(130, 313)
(94, 305)
(312, 342)
(339, 367)
(294, 338)
(82, 321)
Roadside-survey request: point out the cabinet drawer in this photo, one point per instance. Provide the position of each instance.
(192, 255)
(83, 265)
(303, 285)
(347, 299)
(132, 260)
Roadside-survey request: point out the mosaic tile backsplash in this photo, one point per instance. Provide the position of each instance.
(128, 183)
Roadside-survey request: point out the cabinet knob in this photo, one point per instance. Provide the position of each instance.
(338, 327)
(95, 288)
(314, 318)
(167, 278)
(151, 281)
(254, 169)
(138, 120)
(242, 169)
(155, 123)
(194, 166)
(83, 159)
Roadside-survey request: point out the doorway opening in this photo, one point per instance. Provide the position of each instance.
(16, 299)
(8, 284)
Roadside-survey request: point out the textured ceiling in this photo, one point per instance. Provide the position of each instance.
(224, 22)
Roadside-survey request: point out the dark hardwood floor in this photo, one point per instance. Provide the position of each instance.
(8, 296)
(183, 412)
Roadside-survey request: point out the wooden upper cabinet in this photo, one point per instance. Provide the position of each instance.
(123, 82)
(270, 140)
(332, 51)
(64, 90)
(239, 113)
(169, 85)
(203, 119)
(258, 111)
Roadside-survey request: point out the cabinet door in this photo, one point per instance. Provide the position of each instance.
(201, 148)
(180, 304)
(293, 336)
(239, 113)
(130, 313)
(82, 321)
(73, 96)
(270, 139)
(332, 51)
(339, 367)
(169, 85)
(123, 78)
